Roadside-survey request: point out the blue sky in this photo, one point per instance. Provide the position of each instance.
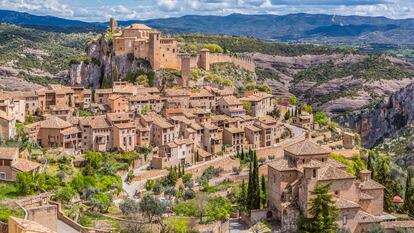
(102, 10)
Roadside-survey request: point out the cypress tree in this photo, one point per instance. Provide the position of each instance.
(182, 168)
(250, 188)
(237, 154)
(408, 199)
(242, 199)
(256, 184)
(264, 192)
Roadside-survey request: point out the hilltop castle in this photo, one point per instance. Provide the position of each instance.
(162, 53)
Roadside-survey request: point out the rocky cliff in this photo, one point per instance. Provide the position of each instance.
(390, 117)
(101, 68)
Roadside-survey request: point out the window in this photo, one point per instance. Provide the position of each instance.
(344, 220)
(314, 173)
(2, 176)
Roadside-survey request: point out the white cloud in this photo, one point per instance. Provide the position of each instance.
(145, 9)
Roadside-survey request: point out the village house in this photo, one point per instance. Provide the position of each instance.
(271, 130)
(102, 96)
(180, 151)
(162, 132)
(201, 98)
(13, 105)
(234, 137)
(96, 133)
(305, 165)
(54, 132)
(261, 103)
(11, 164)
(231, 106)
(118, 103)
(177, 98)
(303, 120)
(212, 138)
(18, 225)
(7, 126)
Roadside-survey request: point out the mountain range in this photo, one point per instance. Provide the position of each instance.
(292, 27)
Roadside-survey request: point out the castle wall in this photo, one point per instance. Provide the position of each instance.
(242, 61)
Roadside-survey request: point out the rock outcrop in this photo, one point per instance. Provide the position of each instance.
(387, 119)
(102, 66)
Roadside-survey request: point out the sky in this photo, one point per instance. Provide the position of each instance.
(102, 10)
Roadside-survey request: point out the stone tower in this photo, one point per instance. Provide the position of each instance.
(185, 69)
(154, 50)
(113, 24)
(204, 59)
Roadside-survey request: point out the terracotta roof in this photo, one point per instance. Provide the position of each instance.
(162, 123)
(398, 224)
(174, 111)
(252, 128)
(333, 173)
(103, 91)
(171, 92)
(335, 163)
(370, 184)
(71, 130)
(96, 122)
(139, 26)
(25, 165)
(364, 196)
(341, 203)
(125, 125)
(118, 117)
(282, 165)
(364, 217)
(257, 97)
(234, 130)
(397, 199)
(54, 123)
(313, 164)
(31, 226)
(4, 115)
(203, 153)
(267, 120)
(200, 93)
(9, 152)
(306, 147)
(231, 100)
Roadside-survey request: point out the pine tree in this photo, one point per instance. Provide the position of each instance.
(384, 177)
(263, 192)
(409, 194)
(323, 212)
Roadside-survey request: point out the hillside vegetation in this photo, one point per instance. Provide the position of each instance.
(372, 68)
(235, 44)
(50, 52)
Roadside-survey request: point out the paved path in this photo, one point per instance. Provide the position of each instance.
(237, 226)
(64, 228)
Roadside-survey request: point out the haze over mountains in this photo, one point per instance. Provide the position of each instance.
(292, 27)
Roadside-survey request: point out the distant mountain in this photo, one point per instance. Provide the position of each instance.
(292, 27)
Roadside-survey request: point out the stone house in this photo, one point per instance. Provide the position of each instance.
(231, 106)
(118, 103)
(102, 96)
(201, 98)
(173, 153)
(305, 165)
(304, 120)
(124, 136)
(54, 132)
(271, 130)
(162, 132)
(96, 133)
(234, 137)
(7, 126)
(261, 102)
(253, 136)
(8, 157)
(212, 138)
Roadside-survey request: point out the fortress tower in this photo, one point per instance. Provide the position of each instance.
(154, 50)
(113, 24)
(185, 69)
(204, 59)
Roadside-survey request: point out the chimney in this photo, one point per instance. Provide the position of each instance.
(364, 175)
(308, 135)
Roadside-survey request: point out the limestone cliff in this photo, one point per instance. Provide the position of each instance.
(386, 119)
(103, 68)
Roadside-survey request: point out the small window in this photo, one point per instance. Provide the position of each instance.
(314, 173)
(344, 220)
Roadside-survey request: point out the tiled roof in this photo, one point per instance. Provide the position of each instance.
(306, 147)
(103, 91)
(162, 123)
(252, 128)
(341, 203)
(125, 125)
(234, 130)
(139, 26)
(25, 165)
(335, 163)
(282, 165)
(96, 122)
(398, 224)
(231, 100)
(3, 115)
(9, 152)
(364, 217)
(31, 226)
(370, 184)
(364, 196)
(71, 130)
(257, 97)
(118, 117)
(313, 164)
(55, 123)
(333, 173)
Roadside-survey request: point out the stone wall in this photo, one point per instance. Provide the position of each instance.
(45, 215)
